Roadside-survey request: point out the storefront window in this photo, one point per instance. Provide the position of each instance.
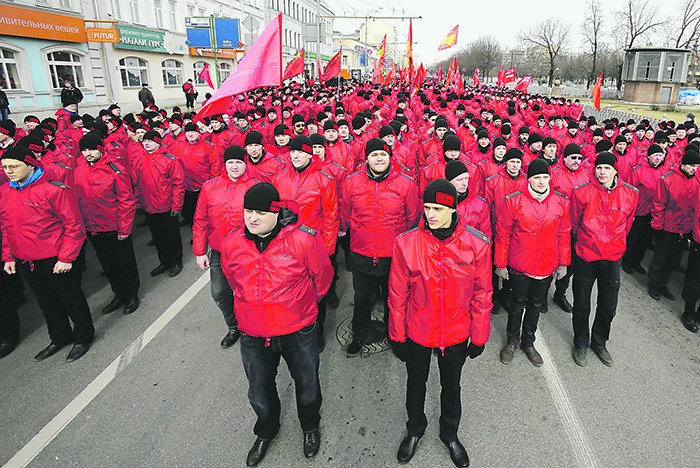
(198, 67)
(134, 72)
(9, 77)
(224, 71)
(172, 72)
(65, 66)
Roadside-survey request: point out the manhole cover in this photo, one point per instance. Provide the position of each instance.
(378, 338)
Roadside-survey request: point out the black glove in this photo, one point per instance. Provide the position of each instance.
(400, 350)
(474, 350)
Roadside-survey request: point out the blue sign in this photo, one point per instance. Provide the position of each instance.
(199, 37)
(362, 59)
(227, 33)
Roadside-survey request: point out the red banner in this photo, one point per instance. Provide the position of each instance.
(476, 80)
(450, 40)
(333, 68)
(509, 76)
(596, 92)
(204, 74)
(295, 66)
(523, 83)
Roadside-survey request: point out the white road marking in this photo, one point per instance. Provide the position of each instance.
(572, 423)
(62, 419)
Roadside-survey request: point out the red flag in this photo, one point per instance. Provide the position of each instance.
(459, 88)
(440, 73)
(508, 75)
(596, 92)
(409, 51)
(477, 82)
(523, 83)
(333, 68)
(499, 78)
(450, 40)
(376, 74)
(448, 80)
(204, 74)
(390, 75)
(295, 66)
(420, 77)
(382, 52)
(455, 68)
(260, 66)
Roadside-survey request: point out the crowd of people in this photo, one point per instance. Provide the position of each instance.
(448, 208)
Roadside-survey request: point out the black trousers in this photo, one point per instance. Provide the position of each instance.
(691, 286)
(322, 307)
(165, 230)
(60, 298)
(9, 318)
(529, 296)
(365, 286)
(118, 262)
(418, 366)
(607, 274)
(189, 205)
(668, 250)
(189, 98)
(638, 240)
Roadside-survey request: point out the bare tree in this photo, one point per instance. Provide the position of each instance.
(689, 27)
(549, 36)
(592, 25)
(486, 54)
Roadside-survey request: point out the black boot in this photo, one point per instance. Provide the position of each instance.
(688, 317)
(561, 300)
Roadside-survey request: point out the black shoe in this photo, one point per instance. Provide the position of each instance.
(407, 449)
(230, 339)
(688, 322)
(563, 302)
(49, 351)
(151, 243)
(604, 356)
(640, 269)
(114, 305)
(545, 307)
(332, 299)
(257, 452)
(159, 270)
(629, 269)
(532, 355)
(175, 270)
(7, 346)
(580, 356)
(321, 343)
(457, 453)
(667, 294)
(354, 348)
(131, 305)
(78, 351)
(654, 294)
(496, 308)
(312, 442)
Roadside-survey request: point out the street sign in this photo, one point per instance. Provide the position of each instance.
(102, 35)
(197, 22)
(250, 23)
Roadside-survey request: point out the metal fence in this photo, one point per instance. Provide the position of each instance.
(606, 113)
(580, 91)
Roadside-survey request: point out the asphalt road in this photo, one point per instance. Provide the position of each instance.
(156, 390)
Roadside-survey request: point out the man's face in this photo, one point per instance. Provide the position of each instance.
(174, 127)
(192, 136)
(312, 128)
(680, 133)
(331, 135)
(440, 132)
(320, 151)
(461, 182)
(609, 132)
(536, 147)
(573, 161)
(243, 123)
(550, 151)
(254, 150)
(150, 145)
(390, 139)
(299, 158)
(299, 128)
(483, 142)
(438, 216)
(235, 168)
(621, 147)
(513, 166)
(92, 155)
(649, 134)
(499, 152)
(656, 159)
(282, 140)
(573, 131)
(260, 223)
(78, 124)
(216, 125)
(690, 169)
(140, 133)
(460, 113)
(559, 123)
(378, 161)
(523, 137)
(605, 174)
(17, 171)
(452, 154)
(343, 131)
(271, 116)
(117, 112)
(539, 183)
(31, 125)
(71, 108)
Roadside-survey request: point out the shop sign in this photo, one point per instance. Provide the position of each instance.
(102, 35)
(150, 41)
(37, 24)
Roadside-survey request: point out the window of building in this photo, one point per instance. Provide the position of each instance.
(190, 11)
(134, 11)
(202, 12)
(345, 60)
(9, 77)
(173, 15)
(116, 10)
(134, 72)
(65, 4)
(225, 70)
(172, 72)
(64, 66)
(198, 67)
(158, 7)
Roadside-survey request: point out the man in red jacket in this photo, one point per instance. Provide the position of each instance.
(219, 211)
(439, 307)
(107, 203)
(160, 180)
(42, 241)
(532, 245)
(279, 270)
(602, 212)
(377, 203)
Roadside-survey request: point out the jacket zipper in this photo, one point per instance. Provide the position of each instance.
(442, 300)
(375, 260)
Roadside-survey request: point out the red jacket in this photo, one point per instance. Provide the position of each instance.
(646, 178)
(533, 237)
(475, 212)
(377, 212)
(160, 180)
(275, 292)
(564, 179)
(222, 139)
(105, 196)
(427, 150)
(316, 193)
(672, 208)
(219, 211)
(601, 219)
(267, 168)
(440, 291)
(436, 170)
(200, 162)
(40, 221)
